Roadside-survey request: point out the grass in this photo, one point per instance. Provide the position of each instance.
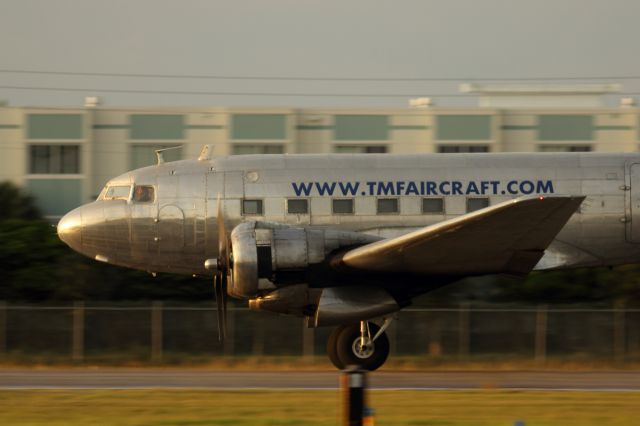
(191, 407)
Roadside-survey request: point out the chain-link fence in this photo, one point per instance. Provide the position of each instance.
(160, 332)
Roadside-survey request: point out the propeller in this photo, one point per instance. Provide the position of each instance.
(220, 280)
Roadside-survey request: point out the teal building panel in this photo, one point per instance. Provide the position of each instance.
(145, 155)
(259, 126)
(55, 197)
(464, 127)
(361, 127)
(565, 127)
(158, 126)
(54, 126)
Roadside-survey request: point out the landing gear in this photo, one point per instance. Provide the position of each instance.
(365, 345)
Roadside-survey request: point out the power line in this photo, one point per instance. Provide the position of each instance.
(316, 78)
(202, 93)
(256, 94)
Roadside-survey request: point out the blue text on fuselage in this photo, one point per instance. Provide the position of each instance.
(422, 188)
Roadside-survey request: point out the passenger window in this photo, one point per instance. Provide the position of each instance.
(118, 193)
(297, 206)
(387, 205)
(250, 207)
(433, 205)
(474, 204)
(343, 206)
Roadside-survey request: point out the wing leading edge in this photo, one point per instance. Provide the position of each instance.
(509, 238)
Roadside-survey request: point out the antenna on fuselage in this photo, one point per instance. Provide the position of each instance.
(159, 153)
(205, 153)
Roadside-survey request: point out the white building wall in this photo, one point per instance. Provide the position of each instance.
(107, 135)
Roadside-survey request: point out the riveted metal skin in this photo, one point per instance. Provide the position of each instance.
(177, 230)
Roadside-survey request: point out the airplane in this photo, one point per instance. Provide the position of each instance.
(348, 240)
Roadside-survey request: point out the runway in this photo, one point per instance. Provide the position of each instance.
(126, 378)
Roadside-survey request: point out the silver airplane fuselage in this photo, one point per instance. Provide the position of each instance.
(174, 230)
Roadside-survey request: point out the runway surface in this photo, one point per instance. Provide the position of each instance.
(124, 378)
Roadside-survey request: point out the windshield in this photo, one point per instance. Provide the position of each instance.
(119, 192)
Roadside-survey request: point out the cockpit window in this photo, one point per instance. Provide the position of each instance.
(143, 194)
(117, 192)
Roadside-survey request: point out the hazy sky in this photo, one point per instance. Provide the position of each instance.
(298, 38)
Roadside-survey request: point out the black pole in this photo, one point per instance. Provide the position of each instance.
(354, 383)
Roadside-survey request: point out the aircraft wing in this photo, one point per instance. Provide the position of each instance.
(509, 238)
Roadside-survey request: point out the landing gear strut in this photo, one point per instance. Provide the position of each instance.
(365, 345)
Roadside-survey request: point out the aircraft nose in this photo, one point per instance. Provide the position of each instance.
(70, 229)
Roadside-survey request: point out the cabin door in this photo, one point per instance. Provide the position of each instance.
(633, 203)
(170, 221)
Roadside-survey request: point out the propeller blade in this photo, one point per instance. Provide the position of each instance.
(223, 241)
(222, 274)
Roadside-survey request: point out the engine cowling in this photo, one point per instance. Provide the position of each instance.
(269, 251)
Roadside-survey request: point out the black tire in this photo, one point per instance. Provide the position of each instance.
(347, 356)
(332, 346)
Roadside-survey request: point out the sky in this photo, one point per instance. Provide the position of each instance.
(394, 41)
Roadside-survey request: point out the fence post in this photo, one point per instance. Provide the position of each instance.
(156, 331)
(229, 341)
(3, 327)
(308, 342)
(619, 335)
(463, 331)
(258, 335)
(354, 388)
(541, 334)
(392, 333)
(77, 337)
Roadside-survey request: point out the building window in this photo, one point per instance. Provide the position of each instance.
(240, 149)
(55, 197)
(54, 159)
(361, 149)
(474, 204)
(387, 205)
(54, 126)
(565, 127)
(565, 148)
(446, 149)
(433, 205)
(361, 127)
(343, 206)
(157, 127)
(252, 207)
(297, 206)
(259, 126)
(463, 127)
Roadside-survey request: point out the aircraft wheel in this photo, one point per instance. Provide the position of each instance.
(332, 347)
(369, 356)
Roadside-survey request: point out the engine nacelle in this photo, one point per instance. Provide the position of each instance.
(266, 250)
(328, 306)
(298, 300)
(348, 305)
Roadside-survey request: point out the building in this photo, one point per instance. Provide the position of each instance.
(64, 156)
